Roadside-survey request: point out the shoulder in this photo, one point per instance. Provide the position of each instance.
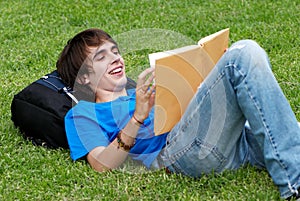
(81, 108)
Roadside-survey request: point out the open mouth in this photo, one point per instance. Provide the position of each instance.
(115, 70)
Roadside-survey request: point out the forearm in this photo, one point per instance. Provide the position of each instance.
(115, 154)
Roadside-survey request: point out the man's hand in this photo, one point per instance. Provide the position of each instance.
(145, 94)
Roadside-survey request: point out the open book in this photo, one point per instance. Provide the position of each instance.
(179, 72)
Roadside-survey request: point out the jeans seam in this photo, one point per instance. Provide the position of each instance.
(266, 128)
(212, 150)
(221, 75)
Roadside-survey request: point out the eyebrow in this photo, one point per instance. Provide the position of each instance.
(101, 51)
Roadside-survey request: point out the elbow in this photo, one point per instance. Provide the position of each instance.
(96, 164)
(100, 168)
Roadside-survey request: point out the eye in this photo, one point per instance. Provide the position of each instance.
(115, 51)
(100, 57)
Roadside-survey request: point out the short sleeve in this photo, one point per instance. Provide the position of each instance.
(83, 132)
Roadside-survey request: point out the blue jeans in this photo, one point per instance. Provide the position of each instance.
(238, 115)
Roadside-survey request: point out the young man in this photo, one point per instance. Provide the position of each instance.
(238, 115)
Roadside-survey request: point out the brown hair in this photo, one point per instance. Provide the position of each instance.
(71, 62)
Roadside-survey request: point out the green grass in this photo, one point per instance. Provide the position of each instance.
(32, 34)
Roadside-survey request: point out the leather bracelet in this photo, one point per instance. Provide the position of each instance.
(138, 121)
(122, 144)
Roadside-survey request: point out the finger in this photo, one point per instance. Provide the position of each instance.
(143, 75)
(152, 96)
(152, 100)
(143, 84)
(150, 91)
(147, 83)
(150, 79)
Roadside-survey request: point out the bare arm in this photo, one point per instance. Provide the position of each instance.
(110, 157)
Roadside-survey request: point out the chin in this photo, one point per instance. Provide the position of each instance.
(121, 83)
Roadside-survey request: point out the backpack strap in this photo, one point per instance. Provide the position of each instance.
(66, 90)
(54, 81)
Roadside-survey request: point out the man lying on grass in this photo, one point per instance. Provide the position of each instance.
(254, 124)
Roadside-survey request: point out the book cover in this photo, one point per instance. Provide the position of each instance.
(179, 72)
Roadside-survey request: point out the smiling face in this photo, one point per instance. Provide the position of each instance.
(108, 77)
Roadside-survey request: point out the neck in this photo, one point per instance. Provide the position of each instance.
(107, 96)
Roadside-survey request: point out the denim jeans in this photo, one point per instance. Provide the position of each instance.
(238, 115)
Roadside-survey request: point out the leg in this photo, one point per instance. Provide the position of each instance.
(209, 135)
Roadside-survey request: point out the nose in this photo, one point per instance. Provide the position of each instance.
(115, 58)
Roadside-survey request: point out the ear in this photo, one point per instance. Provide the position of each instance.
(83, 79)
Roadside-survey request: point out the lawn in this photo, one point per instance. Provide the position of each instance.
(32, 34)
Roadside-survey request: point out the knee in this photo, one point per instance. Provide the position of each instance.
(251, 51)
(249, 48)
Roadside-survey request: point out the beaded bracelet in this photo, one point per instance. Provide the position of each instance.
(122, 144)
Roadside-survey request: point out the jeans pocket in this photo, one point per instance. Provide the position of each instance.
(197, 159)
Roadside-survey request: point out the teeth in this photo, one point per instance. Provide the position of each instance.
(117, 70)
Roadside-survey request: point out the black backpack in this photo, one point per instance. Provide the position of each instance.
(39, 110)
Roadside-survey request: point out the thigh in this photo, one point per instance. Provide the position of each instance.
(207, 136)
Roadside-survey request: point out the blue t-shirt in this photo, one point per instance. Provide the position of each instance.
(89, 125)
